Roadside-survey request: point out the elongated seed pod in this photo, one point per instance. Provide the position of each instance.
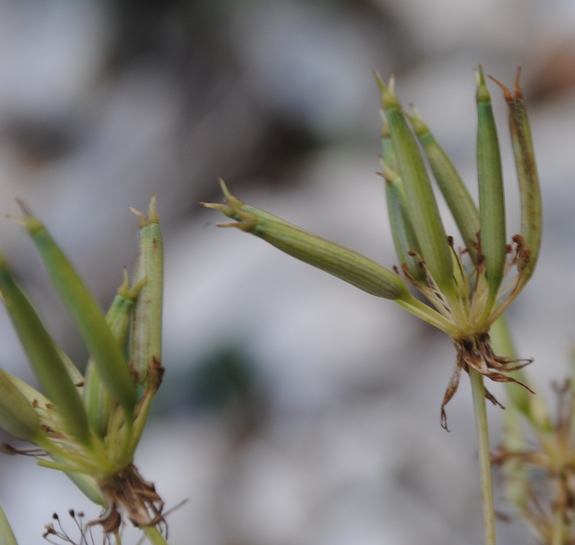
(97, 400)
(146, 333)
(527, 176)
(424, 212)
(491, 194)
(33, 396)
(86, 314)
(341, 262)
(96, 396)
(387, 151)
(404, 237)
(44, 357)
(73, 372)
(17, 415)
(332, 258)
(462, 207)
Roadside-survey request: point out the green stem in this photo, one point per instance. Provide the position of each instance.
(154, 535)
(478, 391)
(558, 532)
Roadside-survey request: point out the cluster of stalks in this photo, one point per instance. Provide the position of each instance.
(89, 425)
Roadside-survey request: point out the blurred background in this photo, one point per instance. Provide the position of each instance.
(295, 408)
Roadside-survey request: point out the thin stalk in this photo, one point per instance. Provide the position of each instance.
(154, 535)
(478, 391)
(558, 530)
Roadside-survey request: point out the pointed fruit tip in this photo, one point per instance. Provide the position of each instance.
(388, 97)
(16, 219)
(517, 94)
(233, 203)
(152, 217)
(152, 213)
(517, 87)
(380, 82)
(23, 207)
(142, 219)
(215, 206)
(125, 285)
(482, 94)
(28, 222)
(419, 126)
(230, 199)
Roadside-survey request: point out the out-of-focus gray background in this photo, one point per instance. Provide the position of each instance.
(295, 409)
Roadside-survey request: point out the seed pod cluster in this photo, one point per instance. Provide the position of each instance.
(466, 294)
(478, 301)
(424, 211)
(89, 426)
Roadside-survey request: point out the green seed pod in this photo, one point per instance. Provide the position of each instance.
(332, 258)
(404, 237)
(44, 357)
(97, 399)
(491, 195)
(86, 314)
(16, 413)
(341, 262)
(387, 151)
(75, 376)
(424, 212)
(31, 394)
(529, 190)
(96, 396)
(457, 197)
(146, 333)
